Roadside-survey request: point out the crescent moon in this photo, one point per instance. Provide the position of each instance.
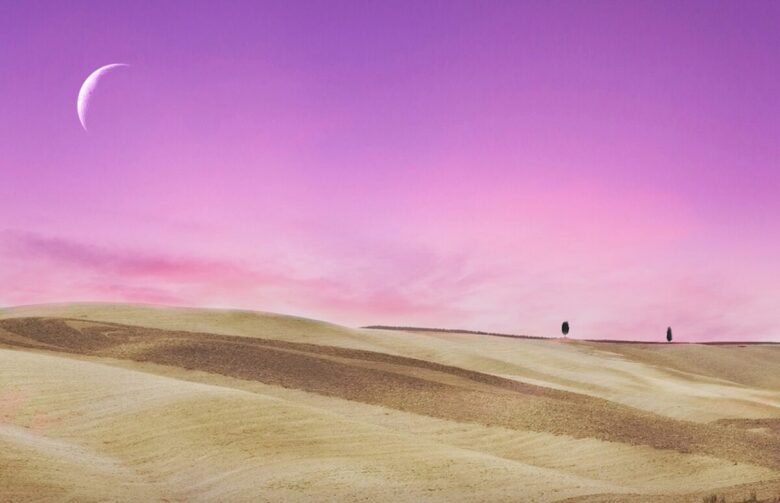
(88, 87)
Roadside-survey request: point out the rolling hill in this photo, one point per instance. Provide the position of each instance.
(130, 402)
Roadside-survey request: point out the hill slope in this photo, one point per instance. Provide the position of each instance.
(137, 402)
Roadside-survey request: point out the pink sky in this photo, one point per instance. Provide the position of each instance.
(495, 166)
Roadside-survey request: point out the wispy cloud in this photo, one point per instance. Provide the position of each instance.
(90, 272)
(107, 261)
(507, 289)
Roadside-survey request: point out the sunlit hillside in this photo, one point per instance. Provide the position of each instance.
(140, 403)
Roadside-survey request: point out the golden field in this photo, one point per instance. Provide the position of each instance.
(103, 402)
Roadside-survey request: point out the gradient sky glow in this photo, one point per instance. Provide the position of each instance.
(486, 165)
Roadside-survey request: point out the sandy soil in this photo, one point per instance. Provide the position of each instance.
(129, 403)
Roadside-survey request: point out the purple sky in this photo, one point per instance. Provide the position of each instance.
(486, 165)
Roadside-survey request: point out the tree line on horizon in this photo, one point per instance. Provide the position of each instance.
(565, 329)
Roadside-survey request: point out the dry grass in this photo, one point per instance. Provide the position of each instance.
(297, 409)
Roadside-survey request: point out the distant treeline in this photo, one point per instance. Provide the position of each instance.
(452, 331)
(515, 336)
